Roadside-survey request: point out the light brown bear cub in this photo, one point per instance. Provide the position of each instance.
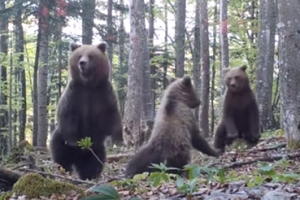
(175, 131)
(240, 116)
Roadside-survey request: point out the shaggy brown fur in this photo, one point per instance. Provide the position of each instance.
(175, 131)
(240, 117)
(87, 108)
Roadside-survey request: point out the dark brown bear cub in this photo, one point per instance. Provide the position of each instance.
(174, 133)
(240, 117)
(87, 108)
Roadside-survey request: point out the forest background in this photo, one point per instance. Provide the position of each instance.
(148, 41)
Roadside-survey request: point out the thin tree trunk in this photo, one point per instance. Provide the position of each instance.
(110, 33)
(87, 16)
(180, 37)
(3, 81)
(123, 63)
(43, 76)
(197, 56)
(223, 40)
(204, 107)
(152, 50)
(21, 70)
(213, 73)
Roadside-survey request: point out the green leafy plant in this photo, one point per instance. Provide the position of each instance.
(161, 175)
(107, 192)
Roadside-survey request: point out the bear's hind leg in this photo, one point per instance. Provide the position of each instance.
(141, 162)
(88, 166)
(60, 152)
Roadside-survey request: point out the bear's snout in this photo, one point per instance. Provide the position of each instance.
(233, 85)
(82, 65)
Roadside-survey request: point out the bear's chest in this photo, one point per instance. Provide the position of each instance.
(95, 105)
(238, 103)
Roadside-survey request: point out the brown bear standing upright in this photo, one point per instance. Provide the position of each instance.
(240, 117)
(174, 133)
(87, 108)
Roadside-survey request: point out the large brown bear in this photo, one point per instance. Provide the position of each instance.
(240, 117)
(174, 133)
(87, 108)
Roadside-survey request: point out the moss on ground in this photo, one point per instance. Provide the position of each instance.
(34, 185)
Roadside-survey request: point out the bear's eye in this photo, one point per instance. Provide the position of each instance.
(90, 57)
(236, 77)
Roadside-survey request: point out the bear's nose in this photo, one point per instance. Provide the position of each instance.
(82, 64)
(233, 85)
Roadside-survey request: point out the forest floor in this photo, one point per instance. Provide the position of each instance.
(267, 171)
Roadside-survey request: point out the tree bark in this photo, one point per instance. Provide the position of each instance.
(289, 58)
(204, 106)
(87, 16)
(180, 37)
(223, 40)
(123, 63)
(134, 99)
(110, 33)
(20, 50)
(3, 79)
(197, 56)
(151, 32)
(43, 75)
(265, 69)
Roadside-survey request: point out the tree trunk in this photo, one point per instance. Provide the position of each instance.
(289, 58)
(87, 16)
(3, 81)
(43, 75)
(21, 70)
(180, 37)
(223, 40)
(265, 67)
(196, 56)
(213, 73)
(123, 64)
(134, 99)
(204, 40)
(110, 33)
(152, 51)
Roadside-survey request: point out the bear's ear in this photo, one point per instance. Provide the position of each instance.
(244, 67)
(186, 80)
(74, 46)
(102, 46)
(225, 70)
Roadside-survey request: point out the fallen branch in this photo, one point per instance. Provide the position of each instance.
(8, 178)
(117, 157)
(270, 158)
(267, 148)
(259, 149)
(75, 181)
